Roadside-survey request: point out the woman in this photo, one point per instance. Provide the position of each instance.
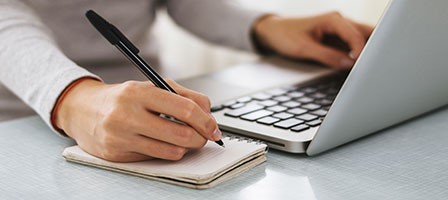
(48, 49)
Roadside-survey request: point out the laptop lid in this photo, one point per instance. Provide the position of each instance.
(400, 74)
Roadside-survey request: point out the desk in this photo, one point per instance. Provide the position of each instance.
(405, 162)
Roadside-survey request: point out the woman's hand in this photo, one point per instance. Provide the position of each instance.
(121, 122)
(303, 38)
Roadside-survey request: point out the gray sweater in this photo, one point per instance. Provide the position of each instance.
(44, 43)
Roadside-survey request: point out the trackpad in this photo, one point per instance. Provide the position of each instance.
(216, 90)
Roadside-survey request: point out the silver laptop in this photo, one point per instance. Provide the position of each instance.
(301, 108)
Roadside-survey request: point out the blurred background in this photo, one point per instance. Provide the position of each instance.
(183, 55)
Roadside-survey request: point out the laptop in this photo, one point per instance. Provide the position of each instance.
(302, 108)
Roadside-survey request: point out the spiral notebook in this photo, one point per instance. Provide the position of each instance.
(200, 169)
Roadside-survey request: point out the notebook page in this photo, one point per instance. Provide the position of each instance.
(199, 164)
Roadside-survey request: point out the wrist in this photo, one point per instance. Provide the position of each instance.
(261, 31)
(69, 100)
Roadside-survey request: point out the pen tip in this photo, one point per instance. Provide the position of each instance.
(220, 143)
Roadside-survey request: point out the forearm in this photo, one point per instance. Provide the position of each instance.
(31, 65)
(223, 22)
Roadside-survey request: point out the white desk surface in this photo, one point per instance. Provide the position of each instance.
(409, 161)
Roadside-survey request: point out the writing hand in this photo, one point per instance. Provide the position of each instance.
(121, 122)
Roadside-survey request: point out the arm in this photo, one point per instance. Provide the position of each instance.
(31, 65)
(223, 22)
(117, 122)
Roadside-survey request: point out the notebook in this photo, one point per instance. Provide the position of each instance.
(199, 169)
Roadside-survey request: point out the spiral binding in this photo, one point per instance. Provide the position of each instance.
(246, 139)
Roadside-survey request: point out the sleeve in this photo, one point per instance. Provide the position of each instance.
(224, 22)
(31, 65)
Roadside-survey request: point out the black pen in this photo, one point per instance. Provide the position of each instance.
(116, 38)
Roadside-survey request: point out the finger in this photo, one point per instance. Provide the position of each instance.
(159, 128)
(181, 108)
(202, 100)
(158, 149)
(347, 32)
(327, 55)
(366, 30)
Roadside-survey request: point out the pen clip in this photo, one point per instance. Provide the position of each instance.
(109, 31)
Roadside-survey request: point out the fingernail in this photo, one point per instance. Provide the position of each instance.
(217, 135)
(345, 62)
(351, 55)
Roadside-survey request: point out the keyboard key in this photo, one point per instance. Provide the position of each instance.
(318, 95)
(261, 96)
(320, 112)
(309, 90)
(307, 117)
(216, 108)
(297, 111)
(229, 103)
(283, 115)
(268, 120)
(268, 103)
(289, 88)
(244, 110)
(288, 123)
(296, 94)
(282, 98)
(324, 102)
(305, 100)
(313, 123)
(291, 104)
(256, 115)
(300, 127)
(237, 105)
(311, 106)
(244, 99)
(277, 92)
(277, 108)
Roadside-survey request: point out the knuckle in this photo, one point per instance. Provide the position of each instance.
(335, 14)
(131, 84)
(204, 99)
(128, 88)
(210, 125)
(188, 109)
(186, 135)
(177, 153)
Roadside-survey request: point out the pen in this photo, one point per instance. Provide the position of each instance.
(116, 38)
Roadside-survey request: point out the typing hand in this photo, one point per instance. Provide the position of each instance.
(303, 38)
(121, 122)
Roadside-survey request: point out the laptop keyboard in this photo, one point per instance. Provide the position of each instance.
(295, 107)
